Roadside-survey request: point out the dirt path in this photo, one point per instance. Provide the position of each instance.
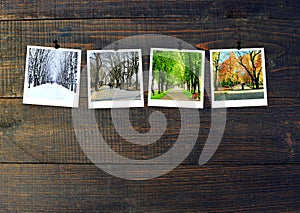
(176, 94)
(107, 94)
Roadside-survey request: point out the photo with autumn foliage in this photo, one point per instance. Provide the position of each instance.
(238, 74)
(176, 75)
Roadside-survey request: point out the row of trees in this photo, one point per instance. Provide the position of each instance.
(173, 68)
(38, 66)
(67, 77)
(238, 67)
(52, 66)
(119, 69)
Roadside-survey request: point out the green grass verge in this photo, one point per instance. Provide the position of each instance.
(188, 94)
(238, 96)
(159, 96)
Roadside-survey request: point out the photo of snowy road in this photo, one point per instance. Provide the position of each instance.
(52, 76)
(51, 91)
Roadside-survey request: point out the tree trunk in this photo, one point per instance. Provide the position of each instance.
(257, 83)
(35, 82)
(198, 88)
(162, 83)
(188, 86)
(136, 80)
(71, 81)
(98, 65)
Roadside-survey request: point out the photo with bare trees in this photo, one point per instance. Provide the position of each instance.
(238, 75)
(115, 78)
(52, 76)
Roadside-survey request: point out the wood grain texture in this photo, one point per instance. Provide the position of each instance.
(203, 9)
(46, 134)
(64, 188)
(256, 166)
(280, 41)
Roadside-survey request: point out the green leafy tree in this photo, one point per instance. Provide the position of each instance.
(172, 68)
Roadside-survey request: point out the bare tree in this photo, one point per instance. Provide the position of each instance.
(67, 76)
(97, 70)
(135, 68)
(38, 66)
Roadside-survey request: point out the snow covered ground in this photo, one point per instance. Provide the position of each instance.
(50, 94)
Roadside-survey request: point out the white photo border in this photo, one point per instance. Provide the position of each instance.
(242, 102)
(115, 103)
(177, 103)
(46, 101)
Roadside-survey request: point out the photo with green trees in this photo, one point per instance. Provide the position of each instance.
(176, 75)
(238, 74)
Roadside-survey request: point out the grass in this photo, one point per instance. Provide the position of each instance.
(159, 96)
(238, 96)
(188, 94)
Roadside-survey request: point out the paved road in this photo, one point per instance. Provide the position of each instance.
(106, 94)
(176, 94)
(239, 95)
(239, 87)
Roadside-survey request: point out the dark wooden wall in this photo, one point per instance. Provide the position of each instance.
(257, 165)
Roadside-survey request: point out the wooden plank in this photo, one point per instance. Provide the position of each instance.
(85, 188)
(256, 167)
(258, 135)
(200, 9)
(280, 39)
(49, 142)
(44, 134)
